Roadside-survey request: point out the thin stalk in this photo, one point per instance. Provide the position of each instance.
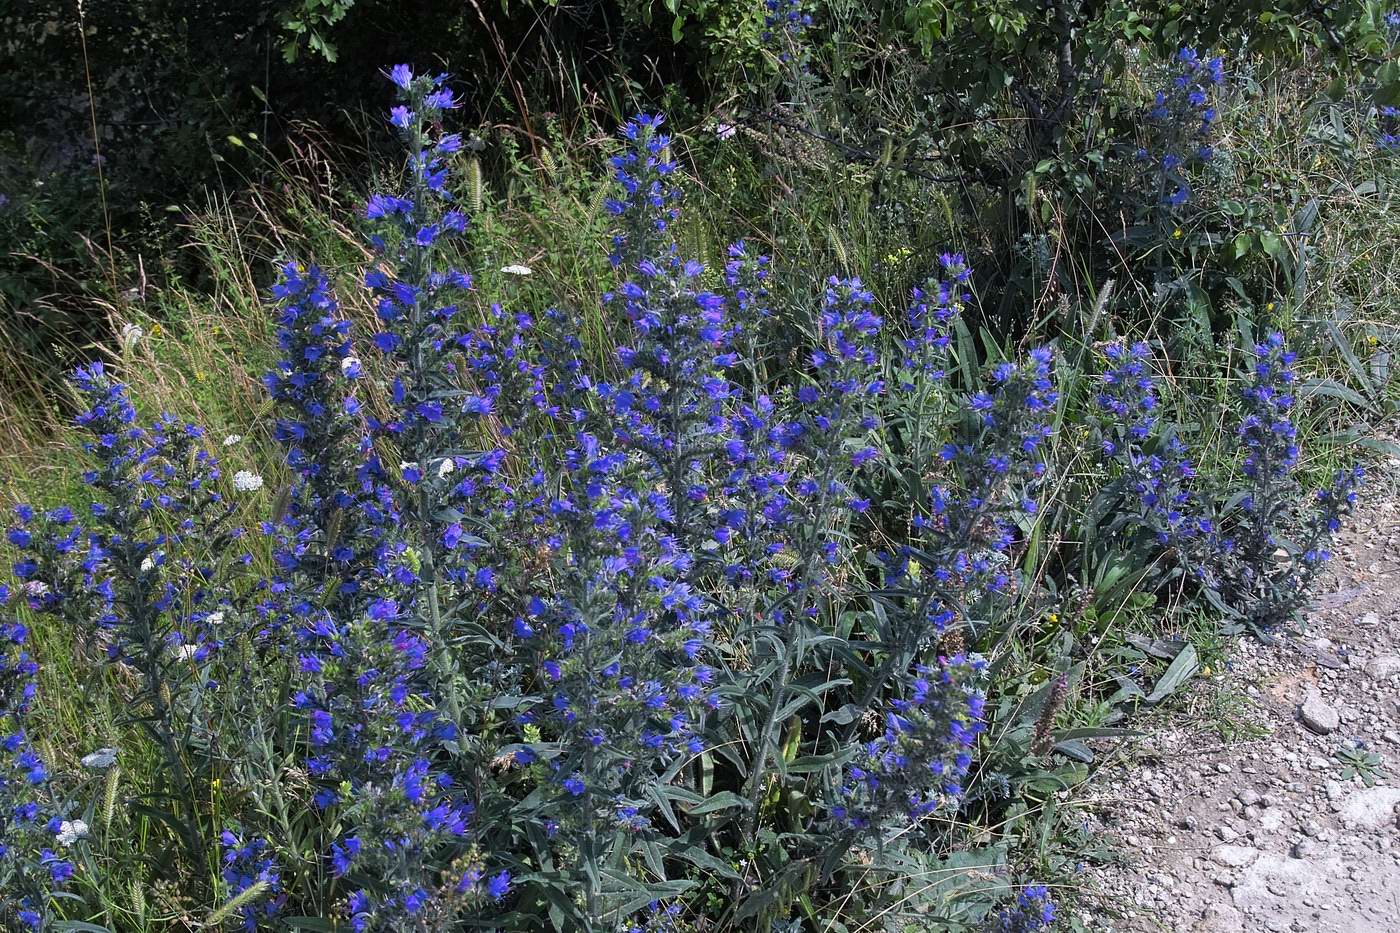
(792, 642)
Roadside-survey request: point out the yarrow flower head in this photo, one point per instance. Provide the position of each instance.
(245, 481)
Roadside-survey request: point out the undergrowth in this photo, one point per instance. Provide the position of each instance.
(673, 531)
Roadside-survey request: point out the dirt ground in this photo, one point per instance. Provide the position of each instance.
(1248, 819)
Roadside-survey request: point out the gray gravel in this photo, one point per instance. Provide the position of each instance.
(1267, 833)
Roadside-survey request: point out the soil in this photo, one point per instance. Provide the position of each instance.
(1246, 819)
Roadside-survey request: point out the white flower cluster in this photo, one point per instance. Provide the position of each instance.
(100, 760)
(244, 481)
(70, 831)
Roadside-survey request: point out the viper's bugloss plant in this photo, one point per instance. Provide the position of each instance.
(344, 591)
(1182, 120)
(144, 580)
(1253, 543)
(1277, 545)
(544, 631)
(253, 883)
(1157, 470)
(34, 838)
(785, 25)
(1033, 910)
(959, 556)
(917, 766)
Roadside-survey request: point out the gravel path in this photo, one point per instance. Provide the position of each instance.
(1265, 831)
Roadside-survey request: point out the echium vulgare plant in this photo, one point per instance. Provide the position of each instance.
(436, 418)
(834, 414)
(339, 597)
(1278, 547)
(1254, 544)
(1157, 469)
(618, 635)
(959, 553)
(145, 580)
(1032, 911)
(1182, 122)
(539, 633)
(918, 764)
(33, 835)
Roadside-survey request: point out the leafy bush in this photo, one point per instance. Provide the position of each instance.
(543, 626)
(1253, 544)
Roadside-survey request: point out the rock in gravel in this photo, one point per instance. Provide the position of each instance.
(1384, 667)
(1305, 849)
(1294, 877)
(1234, 856)
(1371, 807)
(1317, 715)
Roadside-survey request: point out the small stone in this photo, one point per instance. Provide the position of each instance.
(1249, 797)
(1371, 807)
(1317, 715)
(1234, 856)
(1384, 667)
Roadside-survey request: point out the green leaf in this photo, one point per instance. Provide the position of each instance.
(1348, 355)
(1272, 244)
(1075, 750)
(716, 802)
(1177, 674)
(1333, 389)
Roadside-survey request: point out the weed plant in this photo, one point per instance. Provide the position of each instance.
(740, 597)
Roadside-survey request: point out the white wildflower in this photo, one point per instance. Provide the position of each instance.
(148, 564)
(215, 618)
(70, 831)
(131, 334)
(517, 269)
(725, 130)
(243, 481)
(186, 652)
(100, 760)
(446, 466)
(232, 439)
(36, 588)
(350, 368)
